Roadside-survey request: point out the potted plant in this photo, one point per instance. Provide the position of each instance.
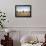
(2, 19)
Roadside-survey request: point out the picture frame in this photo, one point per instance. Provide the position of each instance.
(23, 10)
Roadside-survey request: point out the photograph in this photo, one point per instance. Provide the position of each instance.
(23, 10)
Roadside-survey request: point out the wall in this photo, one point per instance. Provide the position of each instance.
(38, 18)
(36, 23)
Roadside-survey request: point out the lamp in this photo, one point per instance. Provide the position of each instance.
(7, 31)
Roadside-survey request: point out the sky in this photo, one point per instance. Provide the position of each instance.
(23, 8)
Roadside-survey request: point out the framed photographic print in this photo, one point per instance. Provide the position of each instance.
(23, 10)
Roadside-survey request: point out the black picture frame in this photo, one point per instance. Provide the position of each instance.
(20, 13)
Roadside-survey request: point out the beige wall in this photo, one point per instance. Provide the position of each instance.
(38, 18)
(36, 23)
